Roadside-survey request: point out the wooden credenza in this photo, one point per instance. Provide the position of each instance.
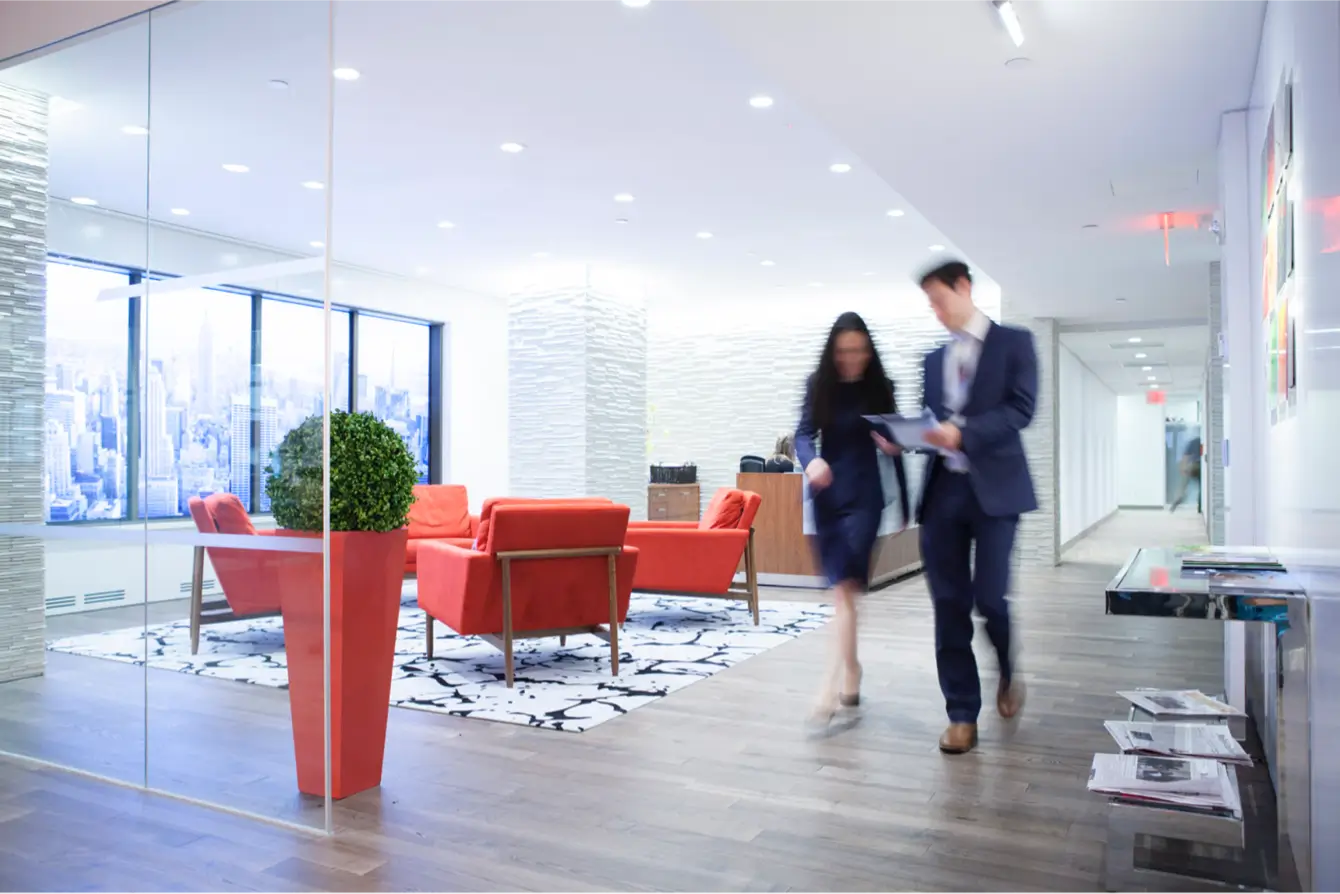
(672, 502)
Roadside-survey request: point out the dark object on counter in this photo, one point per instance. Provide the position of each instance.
(752, 464)
(685, 474)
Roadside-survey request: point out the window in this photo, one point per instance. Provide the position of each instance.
(293, 367)
(88, 350)
(196, 406)
(393, 383)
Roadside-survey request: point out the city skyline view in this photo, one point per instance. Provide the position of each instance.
(196, 402)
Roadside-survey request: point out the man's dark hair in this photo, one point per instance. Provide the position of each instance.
(948, 273)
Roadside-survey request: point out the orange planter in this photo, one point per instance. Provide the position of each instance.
(366, 575)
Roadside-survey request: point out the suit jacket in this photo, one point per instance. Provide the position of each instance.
(999, 406)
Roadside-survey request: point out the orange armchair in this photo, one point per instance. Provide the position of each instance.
(439, 512)
(248, 578)
(701, 557)
(543, 568)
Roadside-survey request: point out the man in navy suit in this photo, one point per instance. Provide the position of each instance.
(982, 386)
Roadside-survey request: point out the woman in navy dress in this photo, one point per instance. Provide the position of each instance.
(845, 485)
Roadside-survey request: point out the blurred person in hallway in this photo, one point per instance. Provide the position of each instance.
(837, 449)
(982, 386)
(1189, 468)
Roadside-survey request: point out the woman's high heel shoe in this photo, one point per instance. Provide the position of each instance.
(852, 699)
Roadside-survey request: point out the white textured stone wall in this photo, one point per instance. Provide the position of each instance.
(725, 385)
(577, 396)
(1213, 498)
(1038, 542)
(23, 208)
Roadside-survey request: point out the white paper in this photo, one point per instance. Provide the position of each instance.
(1193, 784)
(908, 432)
(1212, 741)
(1179, 703)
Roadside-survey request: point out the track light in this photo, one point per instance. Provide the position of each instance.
(1005, 8)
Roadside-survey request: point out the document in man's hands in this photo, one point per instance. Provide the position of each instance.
(908, 432)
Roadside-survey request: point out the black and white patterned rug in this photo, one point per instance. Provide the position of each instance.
(667, 643)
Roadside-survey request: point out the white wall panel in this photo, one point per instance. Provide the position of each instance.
(1087, 447)
(1142, 478)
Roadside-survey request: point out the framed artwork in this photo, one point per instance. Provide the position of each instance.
(1268, 171)
(1277, 222)
(1286, 259)
(1282, 124)
(1293, 359)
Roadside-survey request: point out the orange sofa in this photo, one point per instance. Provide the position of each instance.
(439, 512)
(701, 557)
(248, 578)
(543, 568)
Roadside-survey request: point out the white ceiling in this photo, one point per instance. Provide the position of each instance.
(1114, 122)
(607, 99)
(1175, 357)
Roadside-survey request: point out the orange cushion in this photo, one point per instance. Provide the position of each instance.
(725, 510)
(439, 510)
(486, 514)
(229, 515)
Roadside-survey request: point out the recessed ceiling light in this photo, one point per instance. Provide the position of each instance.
(83, 200)
(1146, 368)
(278, 84)
(512, 148)
(896, 212)
(1135, 339)
(445, 225)
(840, 168)
(181, 212)
(236, 168)
(313, 184)
(767, 263)
(1152, 386)
(624, 197)
(347, 74)
(1152, 378)
(134, 130)
(1141, 356)
(59, 105)
(621, 220)
(761, 102)
(704, 235)
(636, 4)
(1011, 19)
(317, 243)
(937, 247)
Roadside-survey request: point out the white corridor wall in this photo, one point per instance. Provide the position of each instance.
(1142, 475)
(1087, 436)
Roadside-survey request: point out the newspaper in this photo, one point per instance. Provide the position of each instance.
(1211, 741)
(1188, 784)
(1179, 703)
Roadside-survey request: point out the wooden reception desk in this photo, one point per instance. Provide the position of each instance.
(785, 554)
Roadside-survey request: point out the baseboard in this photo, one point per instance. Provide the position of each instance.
(1142, 506)
(1087, 531)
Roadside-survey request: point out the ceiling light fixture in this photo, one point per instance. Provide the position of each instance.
(761, 102)
(1152, 378)
(621, 220)
(84, 200)
(937, 247)
(316, 243)
(896, 212)
(236, 168)
(1141, 356)
(347, 74)
(1008, 15)
(313, 184)
(181, 212)
(1146, 368)
(704, 235)
(512, 148)
(445, 225)
(767, 263)
(59, 105)
(624, 197)
(636, 4)
(1135, 339)
(134, 130)
(840, 168)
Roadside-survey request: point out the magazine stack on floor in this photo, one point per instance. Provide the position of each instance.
(1192, 784)
(1181, 740)
(1179, 703)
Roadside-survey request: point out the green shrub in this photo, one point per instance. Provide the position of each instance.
(372, 476)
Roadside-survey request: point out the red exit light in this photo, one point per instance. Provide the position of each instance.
(1155, 396)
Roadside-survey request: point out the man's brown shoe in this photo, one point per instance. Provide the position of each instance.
(960, 738)
(1010, 699)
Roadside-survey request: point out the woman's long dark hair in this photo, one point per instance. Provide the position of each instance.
(876, 387)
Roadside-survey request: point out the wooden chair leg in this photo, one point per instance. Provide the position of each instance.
(507, 619)
(563, 639)
(751, 575)
(197, 595)
(429, 619)
(614, 616)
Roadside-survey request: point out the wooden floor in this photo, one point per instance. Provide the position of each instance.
(713, 788)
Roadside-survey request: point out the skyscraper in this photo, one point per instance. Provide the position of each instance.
(58, 460)
(158, 447)
(240, 448)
